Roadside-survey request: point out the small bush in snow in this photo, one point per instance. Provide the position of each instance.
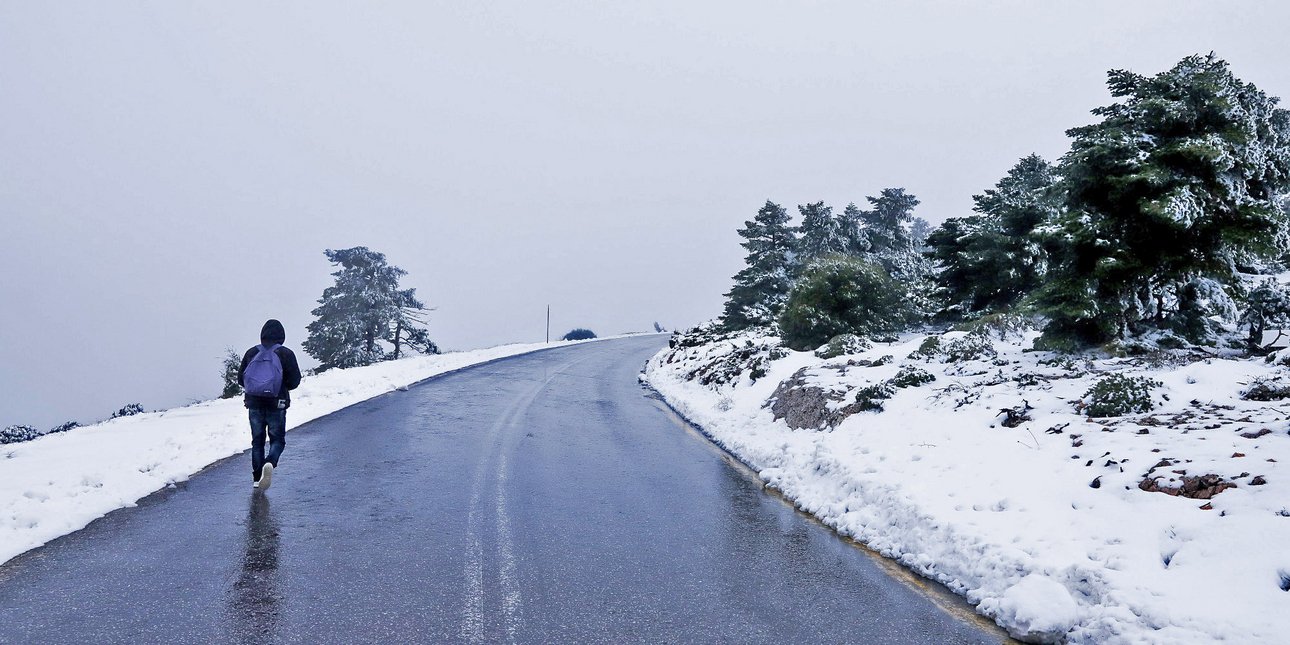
(1001, 325)
(579, 334)
(64, 427)
(973, 346)
(129, 410)
(968, 348)
(910, 376)
(928, 349)
(1267, 388)
(871, 397)
(1117, 395)
(841, 345)
(17, 434)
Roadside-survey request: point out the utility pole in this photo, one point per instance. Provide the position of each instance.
(548, 324)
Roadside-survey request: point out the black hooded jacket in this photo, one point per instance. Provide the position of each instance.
(272, 334)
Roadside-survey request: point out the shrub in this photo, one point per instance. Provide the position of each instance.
(840, 295)
(1117, 395)
(871, 397)
(841, 345)
(129, 410)
(17, 434)
(64, 427)
(1265, 388)
(910, 376)
(579, 334)
(968, 348)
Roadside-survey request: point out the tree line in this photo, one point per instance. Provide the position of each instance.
(1162, 224)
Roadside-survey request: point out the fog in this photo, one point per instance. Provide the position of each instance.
(170, 173)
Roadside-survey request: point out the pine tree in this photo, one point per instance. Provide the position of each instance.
(989, 261)
(885, 226)
(361, 311)
(1165, 196)
(821, 232)
(761, 287)
(407, 328)
(231, 365)
(851, 228)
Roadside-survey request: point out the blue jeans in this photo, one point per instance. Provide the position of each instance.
(274, 423)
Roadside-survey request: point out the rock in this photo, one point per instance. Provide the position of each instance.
(1199, 487)
(1258, 481)
(1256, 435)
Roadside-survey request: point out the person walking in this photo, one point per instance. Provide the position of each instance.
(268, 374)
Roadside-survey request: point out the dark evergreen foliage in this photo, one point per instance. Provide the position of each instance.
(761, 287)
(988, 261)
(18, 434)
(1164, 197)
(70, 425)
(579, 334)
(129, 410)
(841, 295)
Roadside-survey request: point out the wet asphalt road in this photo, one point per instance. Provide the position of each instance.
(542, 498)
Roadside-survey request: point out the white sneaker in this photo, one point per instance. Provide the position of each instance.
(266, 476)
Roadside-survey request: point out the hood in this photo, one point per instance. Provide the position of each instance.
(272, 333)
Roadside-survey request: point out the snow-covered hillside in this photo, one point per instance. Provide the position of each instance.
(61, 482)
(983, 470)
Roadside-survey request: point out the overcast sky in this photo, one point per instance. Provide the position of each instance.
(170, 173)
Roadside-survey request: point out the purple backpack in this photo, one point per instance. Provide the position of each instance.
(263, 376)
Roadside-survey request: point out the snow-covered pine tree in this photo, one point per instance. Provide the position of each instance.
(1176, 185)
(407, 328)
(361, 311)
(885, 227)
(761, 287)
(988, 261)
(228, 371)
(851, 228)
(821, 233)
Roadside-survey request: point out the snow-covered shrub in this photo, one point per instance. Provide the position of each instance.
(841, 345)
(969, 347)
(1267, 388)
(872, 396)
(1116, 395)
(1002, 326)
(726, 362)
(17, 434)
(129, 410)
(64, 427)
(928, 349)
(910, 376)
(579, 334)
(841, 295)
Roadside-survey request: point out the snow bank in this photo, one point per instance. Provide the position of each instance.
(61, 482)
(1045, 527)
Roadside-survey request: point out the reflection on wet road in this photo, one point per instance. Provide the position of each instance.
(543, 498)
(254, 597)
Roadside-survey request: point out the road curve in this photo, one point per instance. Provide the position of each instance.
(544, 498)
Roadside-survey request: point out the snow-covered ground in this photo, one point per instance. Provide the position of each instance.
(59, 483)
(1044, 526)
